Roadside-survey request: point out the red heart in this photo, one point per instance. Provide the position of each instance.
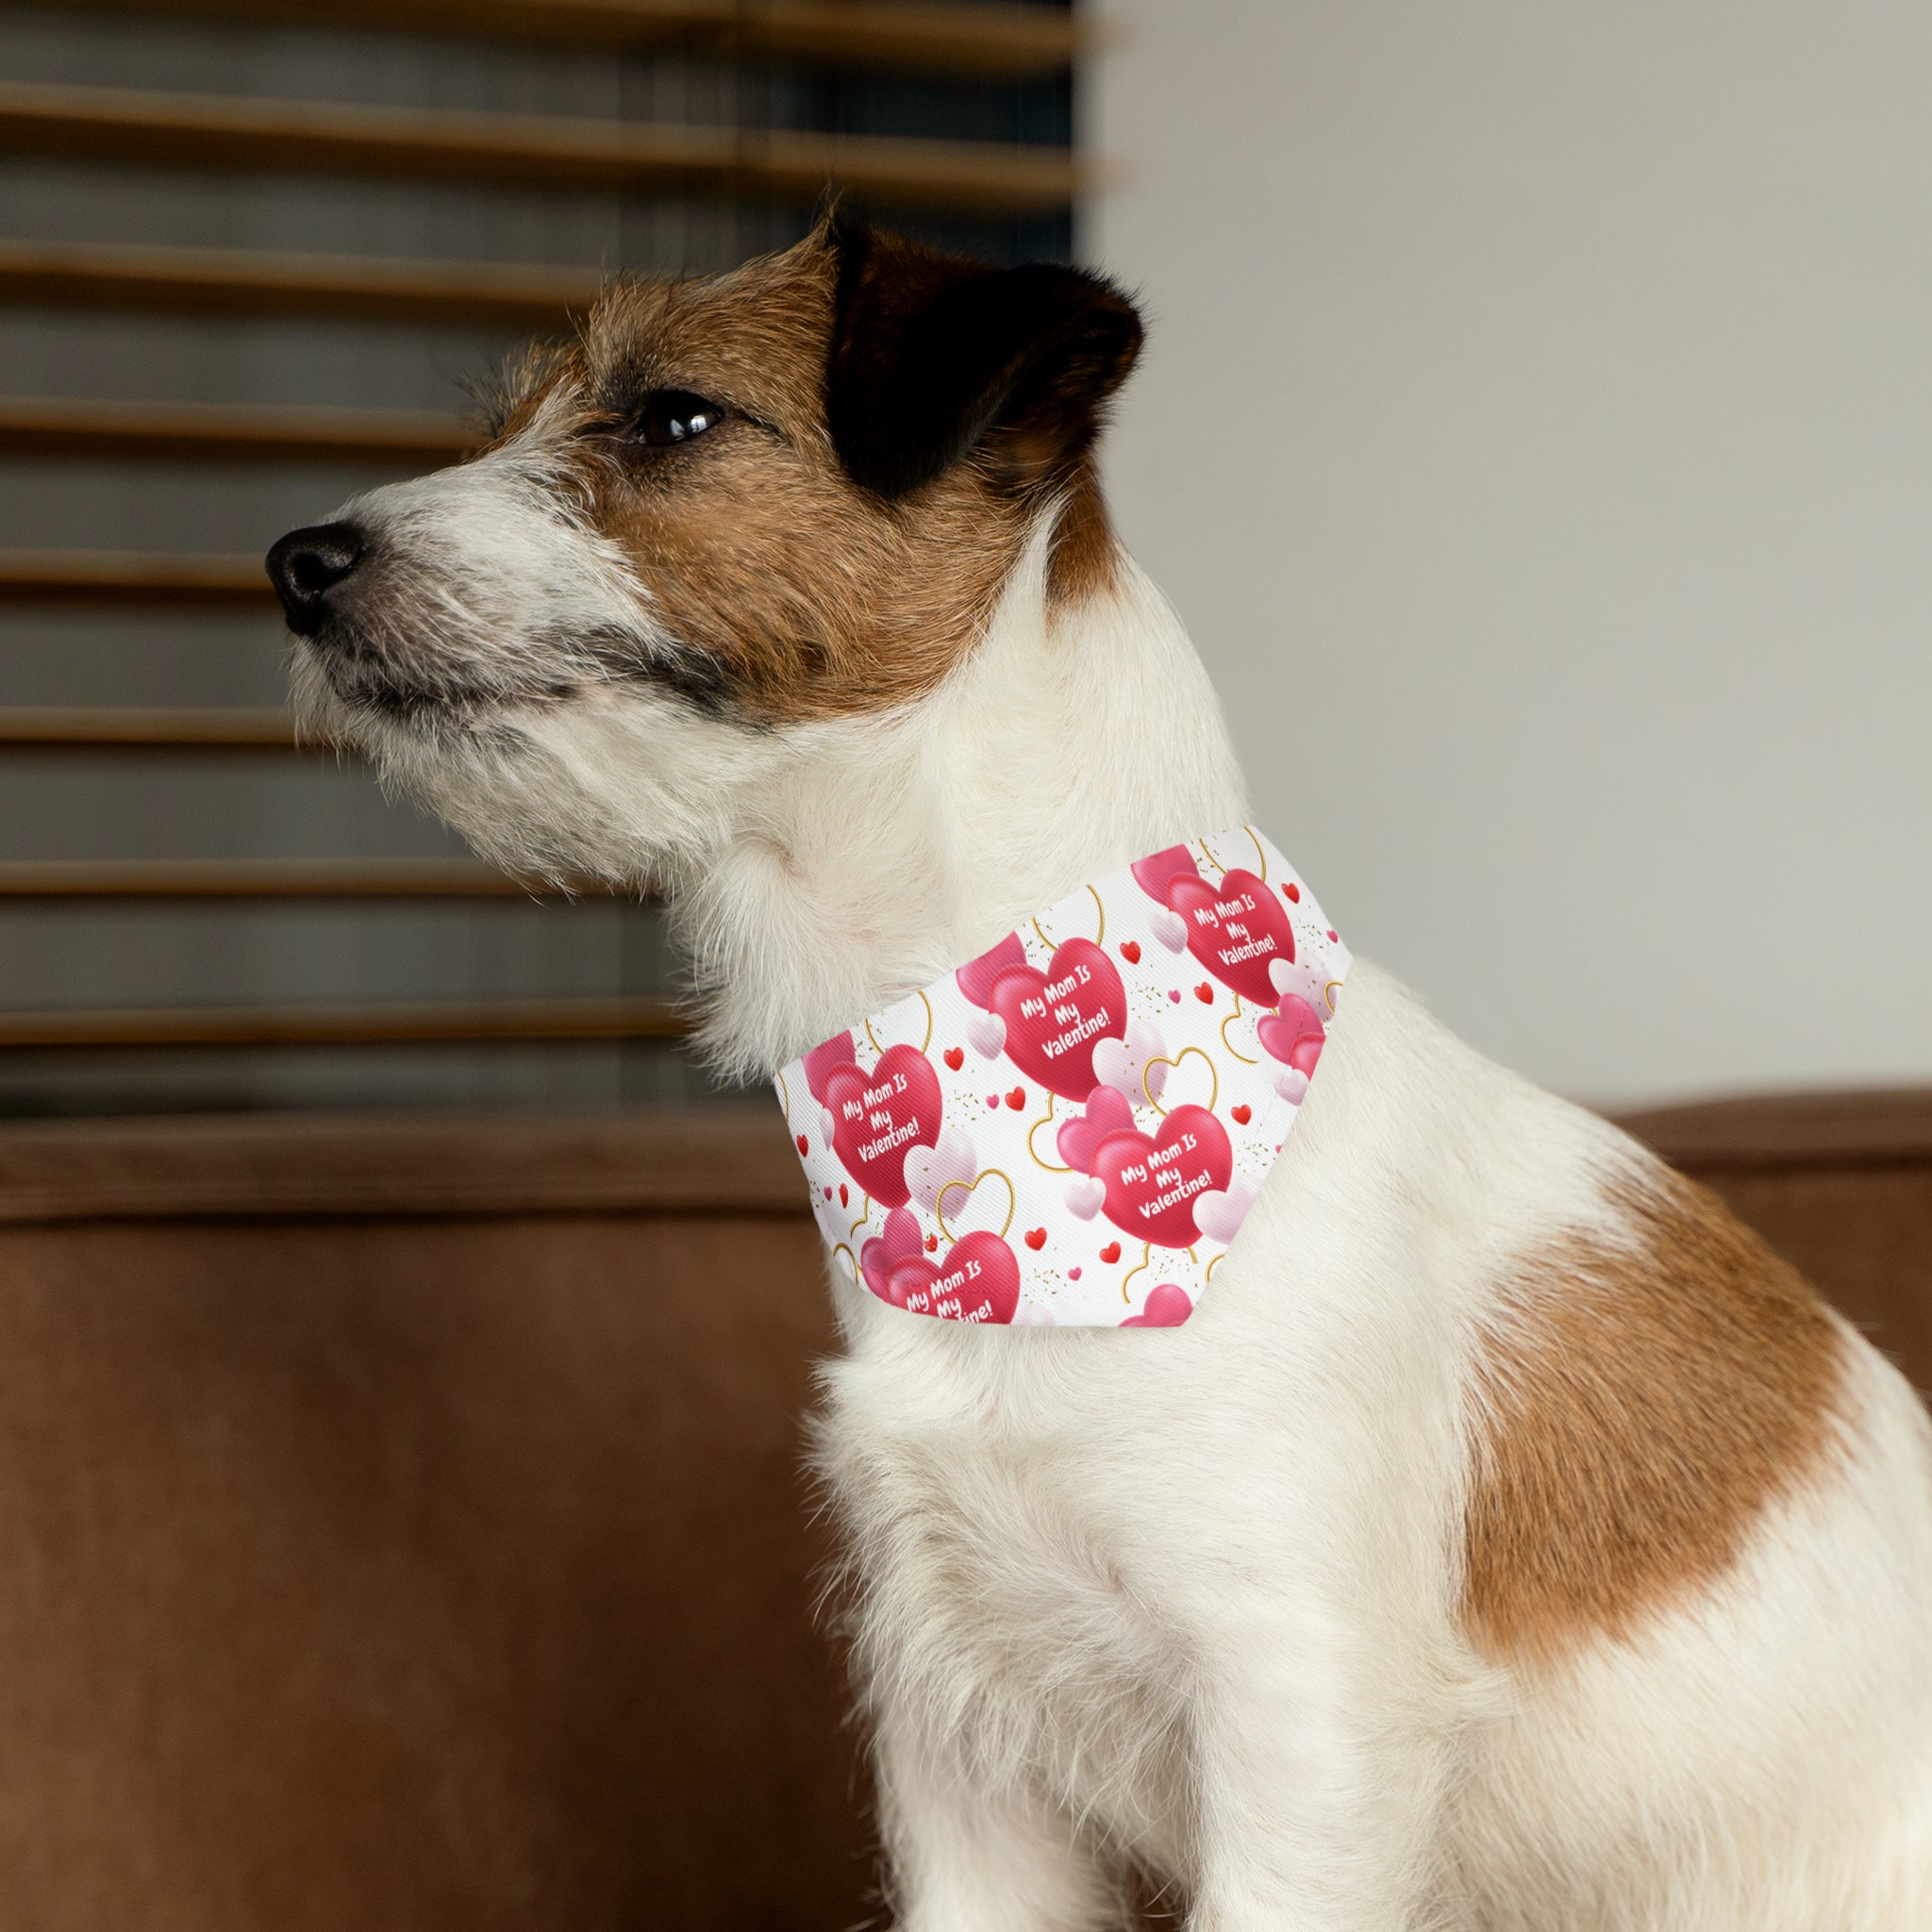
(1242, 1114)
(1108, 1112)
(1295, 1036)
(1236, 929)
(993, 1100)
(1166, 1307)
(976, 978)
(1017, 1098)
(828, 1193)
(1112, 1253)
(1333, 936)
(956, 1057)
(1204, 994)
(1072, 1274)
(823, 1059)
(898, 1242)
(1056, 1018)
(1152, 1185)
(1293, 892)
(977, 1281)
(932, 1241)
(1130, 952)
(1156, 873)
(1036, 1238)
(804, 1145)
(1175, 995)
(877, 1116)
(844, 1199)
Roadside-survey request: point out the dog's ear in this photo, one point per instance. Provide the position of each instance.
(933, 356)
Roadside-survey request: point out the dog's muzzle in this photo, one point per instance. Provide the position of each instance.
(306, 566)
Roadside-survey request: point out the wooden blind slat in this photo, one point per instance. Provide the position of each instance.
(226, 281)
(527, 151)
(174, 727)
(259, 878)
(35, 426)
(945, 38)
(131, 577)
(369, 1024)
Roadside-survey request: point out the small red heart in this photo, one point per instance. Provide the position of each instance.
(956, 1057)
(1293, 892)
(828, 1193)
(1204, 994)
(993, 1100)
(1112, 1253)
(1036, 1238)
(1242, 1114)
(1173, 994)
(1072, 1274)
(804, 1146)
(932, 1243)
(1333, 935)
(1017, 1098)
(1130, 952)
(844, 1199)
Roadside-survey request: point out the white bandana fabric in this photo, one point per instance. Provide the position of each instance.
(1069, 1130)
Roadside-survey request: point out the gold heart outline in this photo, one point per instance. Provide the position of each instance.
(851, 1261)
(1146, 1263)
(1044, 1120)
(938, 1206)
(1234, 1051)
(1160, 1059)
(922, 1045)
(1099, 938)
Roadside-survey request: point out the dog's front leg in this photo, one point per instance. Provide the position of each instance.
(965, 1854)
(1316, 1806)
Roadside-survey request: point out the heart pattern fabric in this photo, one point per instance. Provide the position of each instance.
(1124, 1112)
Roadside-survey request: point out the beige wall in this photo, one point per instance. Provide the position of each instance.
(1536, 433)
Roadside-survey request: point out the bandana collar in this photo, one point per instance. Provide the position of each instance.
(1069, 1130)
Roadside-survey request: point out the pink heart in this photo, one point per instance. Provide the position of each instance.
(1236, 929)
(1166, 1307)
(1152, 1184)
(1072, 1274)
(976, 978)
(1054, 1018)
(822, 1060)
(881, 1254)
(1295, 1036)
(1155, 874)
(978, 1281)
(877, 1116)
(1108, 1112)
(1174, 994)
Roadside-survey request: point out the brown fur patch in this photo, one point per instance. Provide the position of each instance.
(799, 593)
(1639, 1411)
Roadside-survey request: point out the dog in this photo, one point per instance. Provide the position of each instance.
(1511, 1542)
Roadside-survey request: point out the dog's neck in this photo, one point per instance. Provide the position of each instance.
(880, 853)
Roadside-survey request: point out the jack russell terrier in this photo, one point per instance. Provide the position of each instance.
(1509, 1541)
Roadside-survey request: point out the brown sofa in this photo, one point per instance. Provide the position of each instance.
(401, 1525)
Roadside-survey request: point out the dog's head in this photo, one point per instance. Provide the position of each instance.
(733, 511)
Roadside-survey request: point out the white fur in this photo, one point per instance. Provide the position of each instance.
(1188, 1598)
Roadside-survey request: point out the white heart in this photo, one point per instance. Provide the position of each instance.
(1299, 977)
(929, 1169)
(1121, 1063)
(988, 1034)
(1291, 1084)
(1219, 1216)
(1169, 927)
(1084, 1195)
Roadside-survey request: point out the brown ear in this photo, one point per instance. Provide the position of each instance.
(935, 356)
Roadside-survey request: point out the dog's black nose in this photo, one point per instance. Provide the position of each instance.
(306, 565)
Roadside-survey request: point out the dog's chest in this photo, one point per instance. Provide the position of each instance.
(1003, 1565)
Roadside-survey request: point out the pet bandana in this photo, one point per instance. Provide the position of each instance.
(1069, 1130)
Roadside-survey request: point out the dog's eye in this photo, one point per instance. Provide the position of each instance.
(674, 415)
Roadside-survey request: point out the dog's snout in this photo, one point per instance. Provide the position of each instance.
(306, 565)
